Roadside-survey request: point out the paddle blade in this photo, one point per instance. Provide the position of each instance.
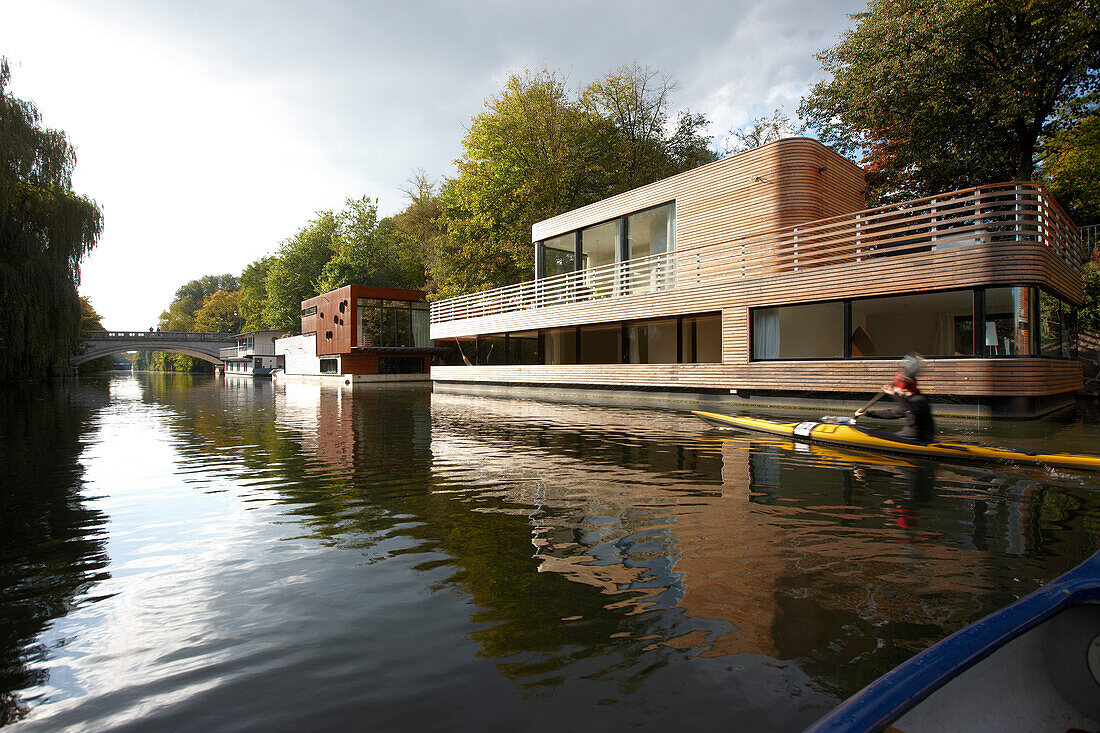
(838, 420)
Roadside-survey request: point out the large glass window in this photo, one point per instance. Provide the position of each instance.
(491, 349)
(1057, 332)
(559, 255)
(600, 245)
(652, 342)
(601, 344)
(932, 324)
(370, 322)
(702, 340)
(1007, 330)
(393, 323)
(559, 346)
(811, 331)
(420, 325)
(523, 348)
(651, 232)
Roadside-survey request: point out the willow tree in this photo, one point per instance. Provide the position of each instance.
(45, 232)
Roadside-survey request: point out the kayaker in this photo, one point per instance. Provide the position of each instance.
(910, 404)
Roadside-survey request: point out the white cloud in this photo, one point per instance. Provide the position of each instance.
(210, 131)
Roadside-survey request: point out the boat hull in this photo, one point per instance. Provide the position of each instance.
(1033, 665)
(859, 437)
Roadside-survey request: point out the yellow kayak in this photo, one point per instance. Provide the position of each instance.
(882, 440)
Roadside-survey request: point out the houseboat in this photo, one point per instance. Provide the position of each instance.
(360, 334)
(764, 279)
(253, 356)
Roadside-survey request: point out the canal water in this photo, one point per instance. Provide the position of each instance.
(180, 553)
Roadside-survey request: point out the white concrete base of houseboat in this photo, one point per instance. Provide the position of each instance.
(351, 379)
(785, 403)
(251, 374)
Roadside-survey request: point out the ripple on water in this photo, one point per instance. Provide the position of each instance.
(191, 554)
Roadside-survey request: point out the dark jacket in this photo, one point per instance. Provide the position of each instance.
(917, 413)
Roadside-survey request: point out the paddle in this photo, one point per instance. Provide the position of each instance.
(843, 420)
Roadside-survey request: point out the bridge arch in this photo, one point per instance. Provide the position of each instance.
(101, 352)
(206, 346)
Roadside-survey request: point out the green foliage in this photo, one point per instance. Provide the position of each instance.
(180, 315)
(370, 252)
(536, 152)
(220, 313)
(944, 94)
(91, 321)
(297, 268)
(1088, 315)
(45, 232)
(253, 300)
(1071, 166)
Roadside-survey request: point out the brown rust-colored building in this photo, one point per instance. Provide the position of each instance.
(764, 279)
(361, 333)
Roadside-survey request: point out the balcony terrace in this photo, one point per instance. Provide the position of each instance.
(1018, 221)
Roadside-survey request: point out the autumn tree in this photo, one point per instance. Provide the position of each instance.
(189, 297)
(91, 321)
(220, 313)
(628, 114)
(761, 131)
(935, 95)
(419, 224)
(537, 151)
(46, 230)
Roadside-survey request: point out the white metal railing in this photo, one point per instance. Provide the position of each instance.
(1007, 212)
(1090, 241)
(159, 336)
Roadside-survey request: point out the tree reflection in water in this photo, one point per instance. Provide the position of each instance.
(628, 551)
(51, 545)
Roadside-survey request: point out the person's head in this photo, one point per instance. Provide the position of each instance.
(902, 382)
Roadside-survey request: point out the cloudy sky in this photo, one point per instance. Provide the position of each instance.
(210, 131)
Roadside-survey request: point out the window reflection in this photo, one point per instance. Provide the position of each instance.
(600, 245)
(798, 331)
(1007, 330)
(558, 255)
(933, 324)
(393, 323)
(651, 232)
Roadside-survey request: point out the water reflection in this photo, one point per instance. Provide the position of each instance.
(51, 543)
(290, 554)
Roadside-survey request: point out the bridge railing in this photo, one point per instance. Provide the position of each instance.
(157, 336)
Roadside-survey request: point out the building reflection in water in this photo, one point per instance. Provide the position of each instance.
(686, 540)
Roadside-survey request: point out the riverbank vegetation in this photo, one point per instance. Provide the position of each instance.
(927, 95)
(46, 230)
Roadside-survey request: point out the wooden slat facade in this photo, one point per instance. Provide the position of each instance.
(780, 184)
(782, 225)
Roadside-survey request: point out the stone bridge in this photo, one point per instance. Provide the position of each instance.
(205, 346)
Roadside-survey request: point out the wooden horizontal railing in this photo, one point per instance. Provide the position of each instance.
(1007, 212)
